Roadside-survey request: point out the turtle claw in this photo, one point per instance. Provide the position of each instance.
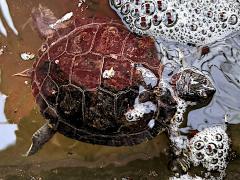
(25, 73)
(180, 164)
(39, 138)
(6, 14)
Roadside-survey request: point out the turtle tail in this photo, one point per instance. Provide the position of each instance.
(39, 138)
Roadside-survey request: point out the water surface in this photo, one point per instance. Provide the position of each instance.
(63, 158)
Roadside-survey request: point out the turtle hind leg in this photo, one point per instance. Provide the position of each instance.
(39, 138)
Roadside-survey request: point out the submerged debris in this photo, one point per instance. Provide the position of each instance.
(26, 56)
(66, 17)
(108, 74)
(2, 50)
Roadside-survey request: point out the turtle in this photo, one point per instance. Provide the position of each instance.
(97, 82)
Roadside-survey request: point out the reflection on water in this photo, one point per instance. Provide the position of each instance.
(223, 65)
(7, 135)
(3, 98)
(7, 131)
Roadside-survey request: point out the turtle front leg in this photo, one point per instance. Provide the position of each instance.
(40, 137)
(180, 162)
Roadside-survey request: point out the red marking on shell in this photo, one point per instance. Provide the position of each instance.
(141, 50)
(80, 42)
(109, 39)
(57, 49)
(61, 68)
(122, 76)
(87, 71)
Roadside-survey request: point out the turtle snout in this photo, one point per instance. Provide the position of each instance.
(206, 91)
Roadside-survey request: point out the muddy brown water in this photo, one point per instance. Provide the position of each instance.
(63, 158)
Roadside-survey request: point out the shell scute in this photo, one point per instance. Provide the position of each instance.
(109, 39)
(141, 50)
(57, 49)
(70, 104)
(42, 70)
(81, 41)
(122, 73)
(61, 69)
(99, 105)
(50, 91)
(87, 70)
(125, 100)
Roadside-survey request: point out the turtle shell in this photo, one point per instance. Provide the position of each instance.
(95, 82)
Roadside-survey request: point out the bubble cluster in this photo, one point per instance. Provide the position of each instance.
(210, 148)
(196, 22)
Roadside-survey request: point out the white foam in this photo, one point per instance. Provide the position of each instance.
(196, 22)
(148, 76)
(151, 123)
(210, 148)
(139, 110)
(186, 177)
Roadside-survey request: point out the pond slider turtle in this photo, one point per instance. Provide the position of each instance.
(96, 82)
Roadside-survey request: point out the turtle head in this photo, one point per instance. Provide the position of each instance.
(192, 85)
